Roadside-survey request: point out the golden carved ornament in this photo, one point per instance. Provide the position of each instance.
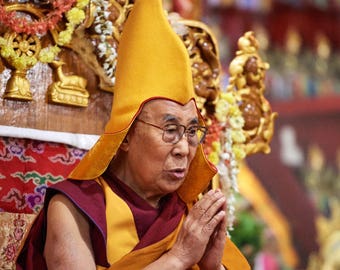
(327, 258)
(67, 89)
(18, 87)
(323, 181)
(25, 46)
(247, 74)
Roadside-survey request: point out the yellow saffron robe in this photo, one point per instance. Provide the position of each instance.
(122, 238)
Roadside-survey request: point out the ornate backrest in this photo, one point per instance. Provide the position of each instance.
(57, 70)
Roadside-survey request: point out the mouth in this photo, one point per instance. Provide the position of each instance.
(177, 173)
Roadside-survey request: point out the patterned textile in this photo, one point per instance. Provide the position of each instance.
(13, 228)
(27, 167)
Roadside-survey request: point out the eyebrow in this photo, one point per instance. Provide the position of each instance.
(172, 118)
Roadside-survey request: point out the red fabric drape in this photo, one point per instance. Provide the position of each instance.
(27, 167)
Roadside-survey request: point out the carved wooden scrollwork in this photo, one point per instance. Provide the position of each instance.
(206, 69)
(247, 74)
(246, 84)
(88, 43)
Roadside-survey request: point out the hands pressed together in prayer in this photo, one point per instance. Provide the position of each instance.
(202, 237)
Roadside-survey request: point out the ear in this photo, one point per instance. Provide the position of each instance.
(124, 146)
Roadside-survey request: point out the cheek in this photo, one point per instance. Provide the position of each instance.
(192, 153)
(157, 155)
(148, 154)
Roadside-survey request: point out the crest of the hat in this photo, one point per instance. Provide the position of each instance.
(152, 62)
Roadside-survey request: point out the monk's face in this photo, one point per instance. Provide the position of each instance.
(154, 167)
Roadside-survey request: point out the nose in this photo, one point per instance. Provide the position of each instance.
(182, 147)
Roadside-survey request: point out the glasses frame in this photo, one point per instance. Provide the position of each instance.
(201, 128)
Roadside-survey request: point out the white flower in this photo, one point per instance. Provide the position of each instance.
(98, 29)
(104, 28)
(106, 14)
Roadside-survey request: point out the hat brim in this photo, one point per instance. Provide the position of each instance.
(98, 158)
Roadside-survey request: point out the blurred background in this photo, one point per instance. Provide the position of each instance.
(288, 211)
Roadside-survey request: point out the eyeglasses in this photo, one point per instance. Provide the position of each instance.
(173, 133)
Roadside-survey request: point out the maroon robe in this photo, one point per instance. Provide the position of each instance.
(151, 224)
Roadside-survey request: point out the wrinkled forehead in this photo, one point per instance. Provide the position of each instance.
(164, 108)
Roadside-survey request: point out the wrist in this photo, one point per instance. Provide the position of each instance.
(167, 261)
(220, 267)
(174, 262)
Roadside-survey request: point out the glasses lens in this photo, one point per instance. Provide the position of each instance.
(193, 135)
(172, 133)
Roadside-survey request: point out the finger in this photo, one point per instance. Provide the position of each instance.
(221, 228)
(207, 201)
(213, 208)
(212, 224)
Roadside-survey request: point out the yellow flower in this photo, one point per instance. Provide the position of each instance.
(48, 54)
(237, 122)
(82, 3)
(238, 152)
(237, 136)
(213, 158)
(65, 36)
(75, 16)
(234, 110)
(6, 51)
(23, 62)
(221, 110)
(216, 146)
(229, 97)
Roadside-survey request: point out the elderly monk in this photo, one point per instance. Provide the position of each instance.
(131, 203)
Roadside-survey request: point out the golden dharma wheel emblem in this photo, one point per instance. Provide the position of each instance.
(24, 44)
(21, 55)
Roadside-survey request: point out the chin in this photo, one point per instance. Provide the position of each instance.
(170, 188)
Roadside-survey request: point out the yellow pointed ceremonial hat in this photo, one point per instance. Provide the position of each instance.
(152, 63)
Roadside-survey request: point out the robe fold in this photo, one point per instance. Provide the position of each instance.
(111, 206)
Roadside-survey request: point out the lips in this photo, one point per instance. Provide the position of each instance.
(177, 173)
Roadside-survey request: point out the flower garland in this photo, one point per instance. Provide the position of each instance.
(104, 28)
(23, 25)
(74, 16)
(225, 150)
(223, 143)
